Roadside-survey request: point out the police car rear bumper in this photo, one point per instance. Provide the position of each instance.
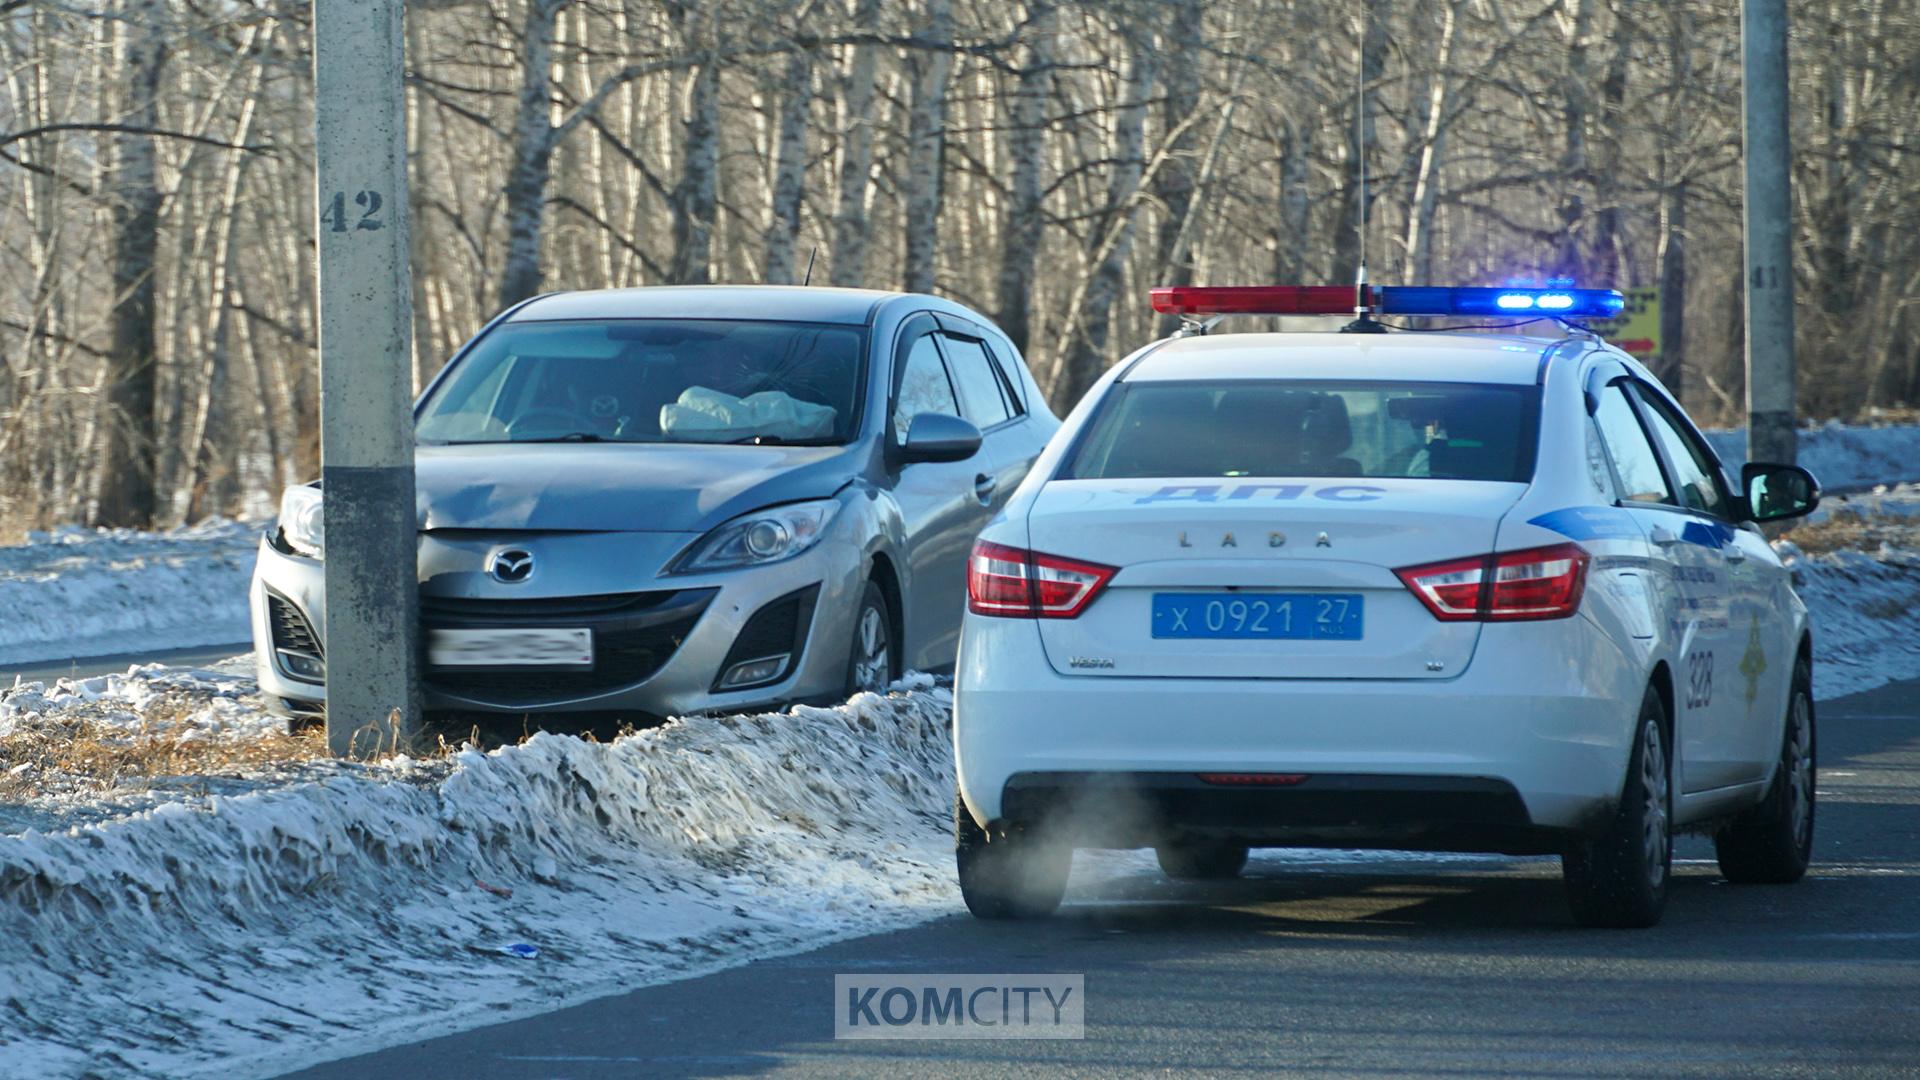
(1124, 810)
(1541, 711)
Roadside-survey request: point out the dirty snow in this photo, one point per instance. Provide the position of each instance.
(1840, 456)
(1866, 616)
(1865, 604)
(100, 592)
(248, 932)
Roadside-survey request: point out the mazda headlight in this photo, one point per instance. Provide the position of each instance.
(301, 525)
(764, 536)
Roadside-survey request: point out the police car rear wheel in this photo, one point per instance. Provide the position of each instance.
(1017, 874)
(1772, 843)
(1619, 878)
(1201, 860)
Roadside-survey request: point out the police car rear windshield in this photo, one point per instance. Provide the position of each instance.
(1439, 431)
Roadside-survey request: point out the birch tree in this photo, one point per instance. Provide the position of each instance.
(932, 67)
(127, 474)
(1021, 235)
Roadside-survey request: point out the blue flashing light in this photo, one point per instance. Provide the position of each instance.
(1555, 302)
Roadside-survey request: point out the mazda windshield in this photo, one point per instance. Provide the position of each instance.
(653, 381)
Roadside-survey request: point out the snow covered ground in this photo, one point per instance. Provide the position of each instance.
(311, 915)
(1839, 455)
(87, 592)
(1864, 596)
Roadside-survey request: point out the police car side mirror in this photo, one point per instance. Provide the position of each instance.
(939, 437)
(1778, 492)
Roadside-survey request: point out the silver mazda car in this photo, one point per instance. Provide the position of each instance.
(640, 503)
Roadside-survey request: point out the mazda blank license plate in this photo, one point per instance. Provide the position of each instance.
(518, 647)
(1270, 616)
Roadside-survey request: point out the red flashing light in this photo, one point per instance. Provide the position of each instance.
(1255, 779)
(1255, 300)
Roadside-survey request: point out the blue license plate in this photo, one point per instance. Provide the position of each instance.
(1273, 616)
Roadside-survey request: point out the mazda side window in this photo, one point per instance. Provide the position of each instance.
(923, 387)
(1009, 384)
(982, 400)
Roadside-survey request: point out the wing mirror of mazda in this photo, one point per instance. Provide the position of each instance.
(1778, 492)
(939, 437)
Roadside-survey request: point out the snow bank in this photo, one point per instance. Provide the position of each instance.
(86, 592)
(253, 932)
(1840, 455)
(1866, 615)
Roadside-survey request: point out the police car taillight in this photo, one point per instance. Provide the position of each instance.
(1016, 583)
(1507, 586)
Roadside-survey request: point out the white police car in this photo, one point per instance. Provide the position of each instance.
(1413, 590)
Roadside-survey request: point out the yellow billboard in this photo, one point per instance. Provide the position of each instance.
(1636, 330)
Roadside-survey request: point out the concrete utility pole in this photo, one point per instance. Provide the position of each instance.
(1769, 268)
(366, 334)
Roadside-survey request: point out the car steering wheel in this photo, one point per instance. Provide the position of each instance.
(575, 422)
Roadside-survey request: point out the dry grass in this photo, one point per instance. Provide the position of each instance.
(1846, 528)
(1888, 414)
(86, 749)
(95, 748)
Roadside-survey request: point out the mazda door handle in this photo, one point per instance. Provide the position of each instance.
(983, 486)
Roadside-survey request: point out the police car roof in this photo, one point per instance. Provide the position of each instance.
(1408, 356)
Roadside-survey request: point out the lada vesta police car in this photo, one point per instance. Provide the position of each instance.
(1408, 590)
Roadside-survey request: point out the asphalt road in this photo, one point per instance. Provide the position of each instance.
(1433, 967)
(89, 666)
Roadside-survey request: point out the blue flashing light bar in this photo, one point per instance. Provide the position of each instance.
(1389, 300)
(1560, 303)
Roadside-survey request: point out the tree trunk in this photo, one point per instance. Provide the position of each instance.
(126, 492)
(1362, 138)
(532, 165)
(1574, 170)
(695, 198)
(1671, 368)
(1084, 354)
(1296, 206)
(216, 480)
(1020, 239)
(1610, 266)
(926, 146)
(790, 168)
(1418, 269)
(1173, 185)
(856, 153)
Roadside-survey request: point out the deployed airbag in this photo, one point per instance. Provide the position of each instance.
(705, 415)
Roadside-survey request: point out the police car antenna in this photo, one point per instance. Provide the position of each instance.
(811, 252)
(1363, 322)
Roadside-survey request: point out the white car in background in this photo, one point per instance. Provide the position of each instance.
(1415, 590)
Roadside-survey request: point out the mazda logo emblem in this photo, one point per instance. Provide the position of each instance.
(511, 565)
